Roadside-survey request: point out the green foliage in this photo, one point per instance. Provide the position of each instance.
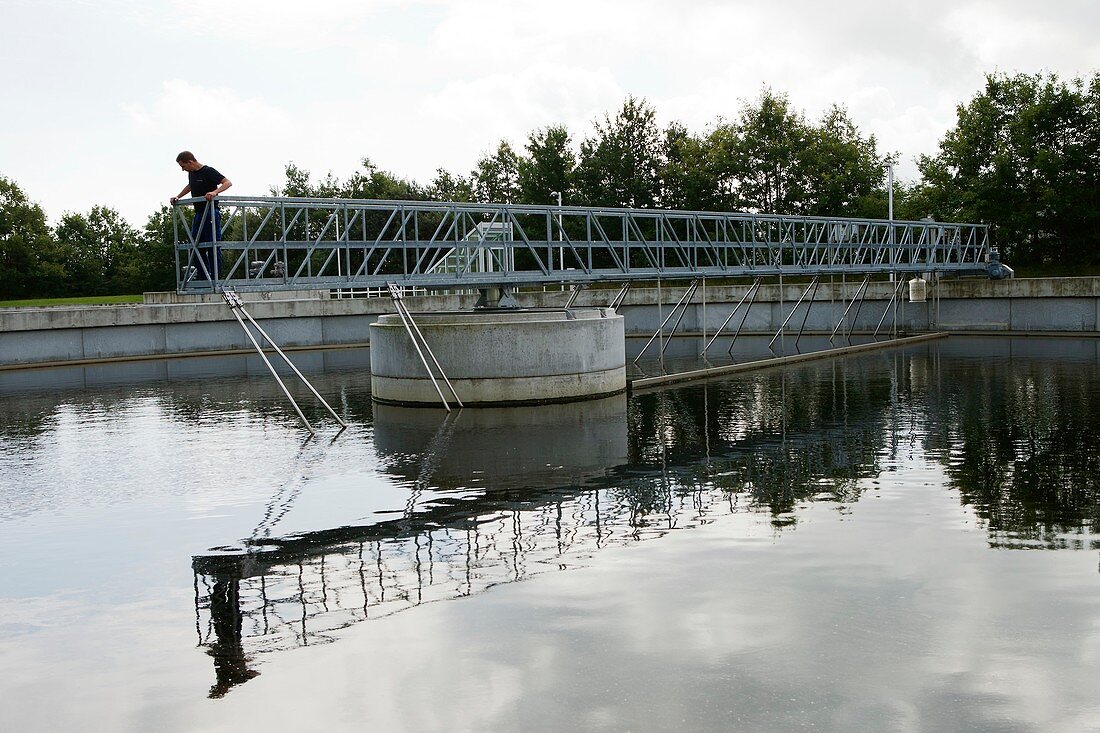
(1025, 157)
(687, 174)
(766, 157)
(368, 183)
(549, 166)
(496, 178)
(24, 240)
(620, 164)
(845, 173)
(450, 187)
(98, 248)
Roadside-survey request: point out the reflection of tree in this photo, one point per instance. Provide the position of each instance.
(764, 443)
(1021, 442)
(1024, 455)
(784, 437)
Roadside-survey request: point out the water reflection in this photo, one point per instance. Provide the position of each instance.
(484, 497)
(500, 495)
(1021, 442)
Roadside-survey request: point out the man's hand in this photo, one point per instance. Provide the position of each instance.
(173, 200)
(210, 196)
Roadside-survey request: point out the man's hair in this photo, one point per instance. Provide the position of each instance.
(185, 157)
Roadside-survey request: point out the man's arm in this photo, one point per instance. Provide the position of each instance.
(226, 183)
(186, 190)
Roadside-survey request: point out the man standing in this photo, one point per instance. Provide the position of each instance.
(204, 182)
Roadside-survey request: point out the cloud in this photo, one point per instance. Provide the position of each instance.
(184, 107)
(421, 84)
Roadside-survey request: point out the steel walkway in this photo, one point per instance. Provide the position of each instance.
(278, 243)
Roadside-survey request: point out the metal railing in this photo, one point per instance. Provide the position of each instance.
(279, 243)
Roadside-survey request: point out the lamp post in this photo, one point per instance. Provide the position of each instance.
(890, 190)
(890, 207)
(561, 250)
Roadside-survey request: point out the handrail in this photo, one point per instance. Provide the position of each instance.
(281, 243)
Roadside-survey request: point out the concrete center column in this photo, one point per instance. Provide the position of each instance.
(502, 357)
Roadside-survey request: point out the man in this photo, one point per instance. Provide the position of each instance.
(204, 182)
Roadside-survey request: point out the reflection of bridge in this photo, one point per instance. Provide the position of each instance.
(525, 519)
(298, 243)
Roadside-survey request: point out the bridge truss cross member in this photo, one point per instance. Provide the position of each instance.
(282, 243)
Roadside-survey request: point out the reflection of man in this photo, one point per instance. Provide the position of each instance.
(204, 182)
(230, 662)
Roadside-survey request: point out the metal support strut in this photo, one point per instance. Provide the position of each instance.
(857, 297)
(620, 296)
(421, 346)
(237, 308)
(682, 306)
(812, 287)
(893, 299)
(750, 294)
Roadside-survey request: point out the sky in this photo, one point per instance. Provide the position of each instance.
(99, 96)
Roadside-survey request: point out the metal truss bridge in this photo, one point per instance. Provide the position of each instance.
(280, 243)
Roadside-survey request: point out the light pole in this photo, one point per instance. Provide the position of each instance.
(890, 207)
(561, 250)
(890, 191)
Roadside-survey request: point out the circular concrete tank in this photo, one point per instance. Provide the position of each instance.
(501, 357)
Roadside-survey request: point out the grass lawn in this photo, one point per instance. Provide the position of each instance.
(90, 300)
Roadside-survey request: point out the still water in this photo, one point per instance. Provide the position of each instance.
(906, 540)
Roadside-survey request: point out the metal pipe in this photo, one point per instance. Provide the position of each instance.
(752, 288)
(291, 365)
(412, 321)
(744, 317)
(620, 296)
(844, 315)
(686, 300)
(806, 315)
(813, 284)
(423, 361)
(660, 331)
(855, 316)
(273, 372)
(891, 302)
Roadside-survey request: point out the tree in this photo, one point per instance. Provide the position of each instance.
(620, 164)
(496, 177)
(448, 186)
(550, 165)
(1024, 156)
(688, 178)
(374, 183)
(370, 182)
(96, 248)
(24, 240)
(151, 264)
(844, 170)
(766, 158)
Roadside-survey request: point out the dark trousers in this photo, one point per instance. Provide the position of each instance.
(208, 228)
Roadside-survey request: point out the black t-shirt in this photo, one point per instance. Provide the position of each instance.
(203, 181)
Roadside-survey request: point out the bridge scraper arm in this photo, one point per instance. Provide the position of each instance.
(285, 243)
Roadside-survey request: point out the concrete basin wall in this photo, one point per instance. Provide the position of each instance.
(76, 335)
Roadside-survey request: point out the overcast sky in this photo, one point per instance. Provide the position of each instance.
(99, 96)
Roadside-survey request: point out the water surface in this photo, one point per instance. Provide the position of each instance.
(902, 540)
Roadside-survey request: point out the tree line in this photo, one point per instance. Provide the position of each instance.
(1023, 156)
